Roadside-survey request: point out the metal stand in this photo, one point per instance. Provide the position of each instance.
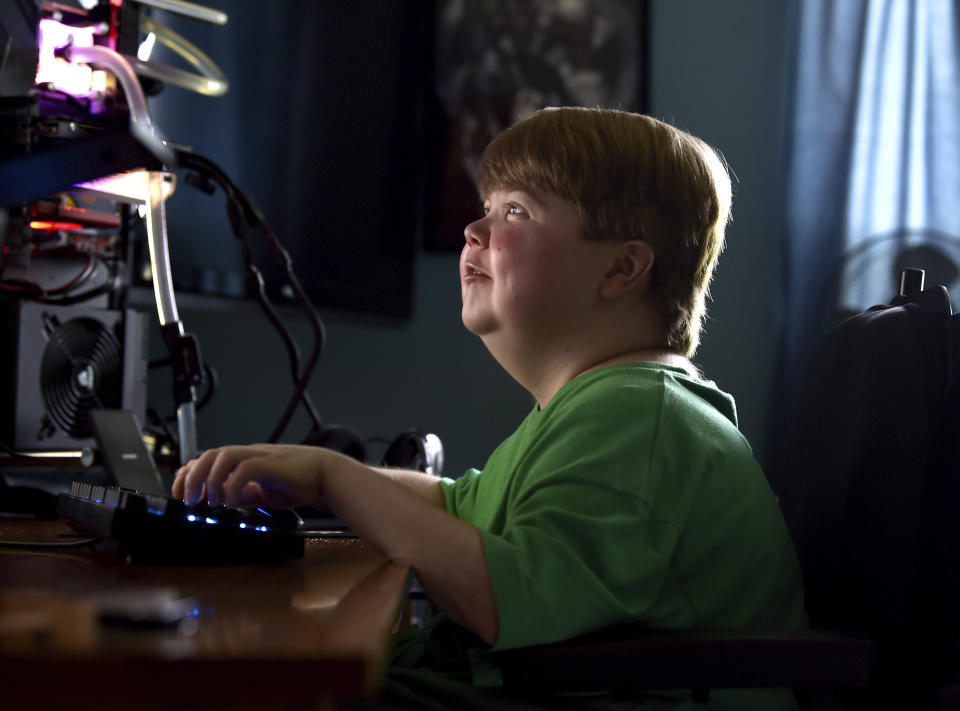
(184, 352)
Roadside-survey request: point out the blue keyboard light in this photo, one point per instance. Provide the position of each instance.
(151, 529)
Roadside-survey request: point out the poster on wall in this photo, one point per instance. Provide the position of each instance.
(498, 61)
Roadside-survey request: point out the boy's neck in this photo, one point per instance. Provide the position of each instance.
(660, 354)
(614, 331)
(542, 374)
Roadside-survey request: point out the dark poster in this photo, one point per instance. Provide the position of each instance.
(498, 61)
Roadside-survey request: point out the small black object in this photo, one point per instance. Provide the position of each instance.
(185, 360)
(200, 183)
(27, 500)
(125, 456)
(340, 438)
(911, 280)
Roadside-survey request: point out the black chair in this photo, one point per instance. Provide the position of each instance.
(868, 486)
(869, 490)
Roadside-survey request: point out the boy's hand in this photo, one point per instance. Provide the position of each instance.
(401, 514)
(280, 476)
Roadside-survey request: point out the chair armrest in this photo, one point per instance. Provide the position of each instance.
(631, 660)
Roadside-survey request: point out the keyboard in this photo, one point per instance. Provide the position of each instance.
(158, 529)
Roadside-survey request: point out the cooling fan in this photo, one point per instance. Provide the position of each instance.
(65, 362)
(81, 369)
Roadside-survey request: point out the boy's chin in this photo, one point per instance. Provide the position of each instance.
(476, 324)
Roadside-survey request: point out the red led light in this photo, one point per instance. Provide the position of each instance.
(116, 3)
(48, 225)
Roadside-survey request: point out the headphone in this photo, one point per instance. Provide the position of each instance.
(411, 449)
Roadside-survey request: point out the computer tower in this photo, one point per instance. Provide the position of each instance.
(61, 362)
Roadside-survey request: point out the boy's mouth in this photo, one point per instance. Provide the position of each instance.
(470, 271)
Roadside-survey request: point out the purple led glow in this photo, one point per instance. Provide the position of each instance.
(76, 79)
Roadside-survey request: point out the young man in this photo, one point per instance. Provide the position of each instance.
(628, 493)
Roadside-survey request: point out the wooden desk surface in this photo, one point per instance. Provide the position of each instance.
(292, 635)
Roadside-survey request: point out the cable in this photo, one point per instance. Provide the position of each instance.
(293, 352)
(19, 286)
(319, 334)
(107, 288)
(88, 271)
(82, 276)
(47, 544)
(242, 212)
(212, 380)
(319, 337)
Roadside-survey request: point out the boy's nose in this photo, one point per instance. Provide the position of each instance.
(476, 232)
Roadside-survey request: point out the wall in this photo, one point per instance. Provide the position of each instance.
(720, 70)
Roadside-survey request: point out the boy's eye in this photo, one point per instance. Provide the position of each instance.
(506, 209)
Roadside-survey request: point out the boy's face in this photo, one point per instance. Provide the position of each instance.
(526, 272)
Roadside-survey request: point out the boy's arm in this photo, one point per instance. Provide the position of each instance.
(401, 513)
(426, 486)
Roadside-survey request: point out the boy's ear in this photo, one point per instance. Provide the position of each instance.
(632, 263)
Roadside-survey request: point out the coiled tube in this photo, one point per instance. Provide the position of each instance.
(210, 81)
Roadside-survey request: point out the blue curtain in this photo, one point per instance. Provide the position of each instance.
(874, 180)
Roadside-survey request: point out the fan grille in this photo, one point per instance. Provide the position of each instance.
(81, 369)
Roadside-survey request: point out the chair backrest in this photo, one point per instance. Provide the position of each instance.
(869, 487)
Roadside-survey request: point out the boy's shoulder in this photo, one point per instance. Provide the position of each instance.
(640, 410)
(640, 389)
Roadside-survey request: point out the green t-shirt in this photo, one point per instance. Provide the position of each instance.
(632, 496)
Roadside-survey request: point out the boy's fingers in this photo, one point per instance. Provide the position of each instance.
(220, 471)
(213, 476)
(177, 488)
(251, 495)
(196, 475)
(235, 482)
(220, 468)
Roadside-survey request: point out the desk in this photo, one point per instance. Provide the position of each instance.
(295, 635)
